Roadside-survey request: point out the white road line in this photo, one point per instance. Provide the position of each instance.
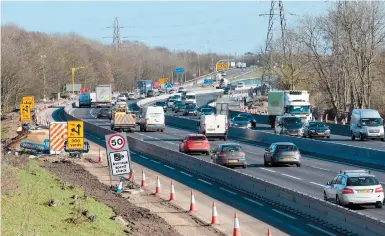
(291, 176)
(140, 134)
(157, 162)
(320, 168)
(267, 169)
(253, 153)
(171, 143)
(322, 230)
(91, 113)
(205, 181)
(284, 214)
(134, 153)
(143, 157)
(251, 200)
(228, 191)
(172, 168)
(318, 184)
(185, 173)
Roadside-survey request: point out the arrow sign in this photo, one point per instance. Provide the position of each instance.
(78, 130)
(75, 129)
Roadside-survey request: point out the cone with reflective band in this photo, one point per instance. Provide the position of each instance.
(143, 185)
(236, 231)
(193, 206)
(120, 187)
(268, 232)
(214, 218)
(157, 189)
(172, 192)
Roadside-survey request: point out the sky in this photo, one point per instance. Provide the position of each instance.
(228, 27)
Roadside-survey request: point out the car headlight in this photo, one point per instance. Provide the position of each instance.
(249, 125)
(301, 130)
(327, 131)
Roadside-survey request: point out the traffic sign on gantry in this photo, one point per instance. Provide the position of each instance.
(119, 157)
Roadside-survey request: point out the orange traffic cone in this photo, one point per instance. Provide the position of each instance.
(157, 189)
(143, 185)
(268, 232)
(236, 231)
(100, 159)
(172, 192)
(193, 206)
(214, 218)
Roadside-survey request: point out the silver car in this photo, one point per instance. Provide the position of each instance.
(282, 153)
(355, 187)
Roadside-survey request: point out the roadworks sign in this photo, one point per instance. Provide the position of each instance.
(25, 112)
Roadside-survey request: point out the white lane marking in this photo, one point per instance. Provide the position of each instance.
(172, 168)
(322, 230)
(91, 113)
(320, 168)
(228, 191)
(185, 173)
(140, 134)
(134, 153)
(284, 214)
(267, 169)
(171, 143)
(204, 181)
(143, 157)
(253, 153)
(251, 200)
(157, 162)
(318, 184)
(291, 176)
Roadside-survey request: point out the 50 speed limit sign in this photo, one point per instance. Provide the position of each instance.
(119, 157)
(116, 142)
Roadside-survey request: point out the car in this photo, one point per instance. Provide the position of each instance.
(223, 73)
(355, 187)
(230, 155)
(122, 98)
(142, 95)
(195, 143)
(316, 129)
(162, 92)
(175, 104)
(104, 113)
(161, 104)
(181, 89)
(206, 111)
(150, 93)
(250, 118)
(170, 102)
(226, 91)
(180, 107)
(282, 153)
(190, 109)
(240, 122)
(288, 125)
(172, 91)
(131, 96)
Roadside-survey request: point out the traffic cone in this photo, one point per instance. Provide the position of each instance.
(172, 192)
(157, 189)
(236, 231)
(268, 232)
(193, 206)
(120, 187)
(143, 185)
(214, 218)
(100, 159)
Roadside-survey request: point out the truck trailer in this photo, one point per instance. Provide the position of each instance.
(103, 96)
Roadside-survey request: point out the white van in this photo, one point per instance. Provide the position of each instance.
(178, 97)
(152, 118)
(214, 126)
(191, 98)
(366, 124)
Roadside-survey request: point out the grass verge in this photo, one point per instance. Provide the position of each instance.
(27, 190)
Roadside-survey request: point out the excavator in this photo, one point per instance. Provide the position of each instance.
(122, 118)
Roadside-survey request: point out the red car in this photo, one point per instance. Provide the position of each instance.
(195, 143)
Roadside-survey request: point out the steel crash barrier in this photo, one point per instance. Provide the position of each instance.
(341, 219)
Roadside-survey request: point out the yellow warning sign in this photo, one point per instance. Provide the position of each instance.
(222, 66)
(29, 100)
(75, 129)
(75, 143)
(25, 112)
(163, 80)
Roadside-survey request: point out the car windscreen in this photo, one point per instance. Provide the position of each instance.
(181, 105)
(178, 102)
(206, 110)
(362, 181)
(246, 115)
(190, 96)
(286, 148)
(234, 148)
(171, 100)
(317, 125)
(371, 121)
(292, 121)
(191, 107)
(197, 138)
(161, 104)
(240, 118)
(105, 110)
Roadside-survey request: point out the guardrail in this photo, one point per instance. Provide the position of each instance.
(339, 218)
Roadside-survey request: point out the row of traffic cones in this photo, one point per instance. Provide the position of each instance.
(193, 206)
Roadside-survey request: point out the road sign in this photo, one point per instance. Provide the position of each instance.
(75, 143)
(179, 70)
(29, 100)
(168, 85)
(25, 112)
(163, 80)
(119, 157)
(222, 66)
(208, 81)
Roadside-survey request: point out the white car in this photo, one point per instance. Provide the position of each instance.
(122, 98)
(170, 102)
(131, 96)
(190, 98)
(181, 90)
(355, 187)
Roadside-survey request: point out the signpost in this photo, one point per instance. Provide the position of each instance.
(208, 81)
(25, 112)
(75, 134)
(163, 80)
(168, 85)
(119, 158)
(29, 100)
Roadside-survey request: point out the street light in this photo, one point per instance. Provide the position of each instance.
(73, 77)
(43, 57)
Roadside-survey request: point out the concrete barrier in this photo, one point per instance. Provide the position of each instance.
(331, 215)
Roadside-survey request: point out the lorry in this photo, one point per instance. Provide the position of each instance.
(144, 86)
(232, 64)
(84, 100)
(93, 98)
(103, 96)
(290, 102)
(122, 118)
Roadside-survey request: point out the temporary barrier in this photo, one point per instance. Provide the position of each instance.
(57, 136)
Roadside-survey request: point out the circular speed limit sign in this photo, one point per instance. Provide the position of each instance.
(116, 142)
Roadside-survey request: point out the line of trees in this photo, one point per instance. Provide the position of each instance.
(22, 65)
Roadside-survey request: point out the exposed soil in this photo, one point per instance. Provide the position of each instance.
(140, 221)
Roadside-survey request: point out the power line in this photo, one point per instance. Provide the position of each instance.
(116, 33)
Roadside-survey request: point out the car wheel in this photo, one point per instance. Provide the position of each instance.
(225, 138)
(298, 164)
(382, 139)
(325, 197)
(208, 153)
(244, 166)
(379, 204)
(310, 136)
(328, 137)
(361, 137)
(353, 137)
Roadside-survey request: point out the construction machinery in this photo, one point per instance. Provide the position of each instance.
(122, 118)
(36, 147)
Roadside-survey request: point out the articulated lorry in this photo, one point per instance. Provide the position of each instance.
(294, 103)
(103, 96)
(123, 119)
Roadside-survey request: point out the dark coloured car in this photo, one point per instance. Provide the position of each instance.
(176, 103)
(150, 93)
(229, 154)
(250, 118)
(240, 122)
(282, 153)
(190, 110)
(226, 91)
(180, 107)
(104, 113)
(161, 104)
(316, 129)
